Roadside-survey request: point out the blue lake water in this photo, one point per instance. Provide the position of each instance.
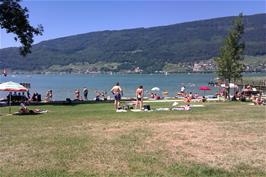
(63, 86)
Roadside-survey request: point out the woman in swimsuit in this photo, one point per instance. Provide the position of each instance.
(139, 95)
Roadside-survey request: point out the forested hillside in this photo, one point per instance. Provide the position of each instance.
(147, 48)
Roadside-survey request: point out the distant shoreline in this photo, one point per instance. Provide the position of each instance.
(116, 73)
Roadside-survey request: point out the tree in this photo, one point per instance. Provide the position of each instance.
(229, 66)
(14, 19)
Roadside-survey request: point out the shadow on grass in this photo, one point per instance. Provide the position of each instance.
(176, 170)
(196, 170)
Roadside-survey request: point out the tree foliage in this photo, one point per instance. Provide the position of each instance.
(14, 19)
(229, 66)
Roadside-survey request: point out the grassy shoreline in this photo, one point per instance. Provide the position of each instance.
(220, 139)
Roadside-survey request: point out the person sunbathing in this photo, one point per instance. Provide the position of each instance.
(187, 99)
(24, 110)
(258, 101)
(180, 108)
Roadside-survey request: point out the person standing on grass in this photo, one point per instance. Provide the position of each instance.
(139, 95)
(77, 94)
(49, 96)
(85, 93)
(117, 92)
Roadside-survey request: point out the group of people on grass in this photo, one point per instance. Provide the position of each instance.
(118, 92)
(248, 93)
(77, 95)
(139, 94)
(188, 96)
(23, 96)
(98, 95)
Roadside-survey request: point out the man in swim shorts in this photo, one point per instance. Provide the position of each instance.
(117, 92)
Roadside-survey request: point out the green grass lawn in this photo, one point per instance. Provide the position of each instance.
(220, 139)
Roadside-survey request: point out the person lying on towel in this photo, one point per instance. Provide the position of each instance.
(24, 110)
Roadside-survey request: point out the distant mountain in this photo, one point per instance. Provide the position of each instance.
(147, 48)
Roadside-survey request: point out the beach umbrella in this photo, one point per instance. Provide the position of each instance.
(204, 88)
(12, 87)
(155, 89)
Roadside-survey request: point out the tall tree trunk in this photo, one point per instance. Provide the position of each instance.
(228, 89)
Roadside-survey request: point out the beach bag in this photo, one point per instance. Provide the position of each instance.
(39, 97)
(68, 100)
(147, 107)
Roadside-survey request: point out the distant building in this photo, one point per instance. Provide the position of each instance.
(203, 66)
(137, 70)
(196, 67)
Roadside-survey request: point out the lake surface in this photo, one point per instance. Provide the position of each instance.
(63, 86)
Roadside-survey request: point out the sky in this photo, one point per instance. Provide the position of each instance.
(69, 17)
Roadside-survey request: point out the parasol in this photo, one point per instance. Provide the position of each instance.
(155, 89)
(12, 87)
(204, 88)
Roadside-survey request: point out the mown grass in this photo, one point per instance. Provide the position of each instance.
(220, 139)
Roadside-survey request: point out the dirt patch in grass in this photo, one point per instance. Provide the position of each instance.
(217, 144)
